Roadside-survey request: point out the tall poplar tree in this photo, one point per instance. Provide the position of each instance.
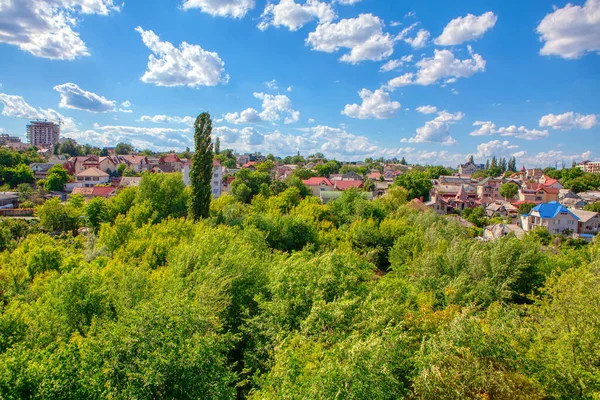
(201, 169)
(217, 145)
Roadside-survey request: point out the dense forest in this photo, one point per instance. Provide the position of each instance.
(278, 296)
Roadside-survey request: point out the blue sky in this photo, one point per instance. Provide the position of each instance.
(350, 78)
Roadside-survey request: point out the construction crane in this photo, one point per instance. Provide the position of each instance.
(38, 119)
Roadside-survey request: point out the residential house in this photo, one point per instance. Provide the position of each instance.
(537, 193)
(136, 163)
(501, 209)
(318, 185)
(589, 221)
(381, 188)
(347, 184)
(130, 181)
(251, 165)
(553, 216)
(447, 199)
(550, 182)
(469, 169)
(92, 177)
(40, 170)
(488, 190)
(570, 199)
(172, 160)
(494, 232)
(163, 169)
(241, 159)
(374, 175)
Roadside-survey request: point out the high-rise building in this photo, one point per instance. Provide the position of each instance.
(43, 133)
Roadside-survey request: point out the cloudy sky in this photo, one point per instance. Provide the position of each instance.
(349, 78)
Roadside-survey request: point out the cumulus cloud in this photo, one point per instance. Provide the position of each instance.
(274, 107)
(272, 85)
(488, 128)
(572, 31)
(442, 66)
(568, 121)
(496, 148)
(189, 65)
(74, 97)
(363, 35)
(392, 65)
(294, 16)
(221, 8)
(437, 130)
(48, 28)
(420, 40)
(347, 2)
(126, 104)
(427, 109)
(158, 139)
(375, 104)
(16, 106)
(465, 29)
(162, 119)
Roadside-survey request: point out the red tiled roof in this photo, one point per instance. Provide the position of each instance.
(249, 164)
(317, 180)
(102, 191)
(343, 185)
(549, 181)
(549, 189)
(216, 163)
(170, 158)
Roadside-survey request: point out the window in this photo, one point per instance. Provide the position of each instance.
(215, 175)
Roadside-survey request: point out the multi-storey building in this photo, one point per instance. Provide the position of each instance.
(590, 166)
(43, 133)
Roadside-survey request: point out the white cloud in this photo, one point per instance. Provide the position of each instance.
(47, 28)
(551, 157)
(289, 88)
(311, 120)
(274, 107)
(427, 109)
(74, 97)
(375, 104)
(125, 110)
(572, 31)
(294, 16)
(362, 35)
(443, 65)
(396, 64)
(190, 65)
(249, 115)
(420, 40)
(162, 119)
(158, 139)
(437, 130)
(272, 85)
(347, 2)
(488, 128)
(221, 8)
(496, 148)
(16, 106)
(126, 104)
(568, 121)
(464, 29)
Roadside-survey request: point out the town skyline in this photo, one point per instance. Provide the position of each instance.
(431, 84)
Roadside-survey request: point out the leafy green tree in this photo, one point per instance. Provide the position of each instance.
(96, 213)
(525, 208)
(56, 179)
(55, 216)
(217, 145)
(201, 169)
(508, 190)
(123, 149)
(166, 195)
(417, 183)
